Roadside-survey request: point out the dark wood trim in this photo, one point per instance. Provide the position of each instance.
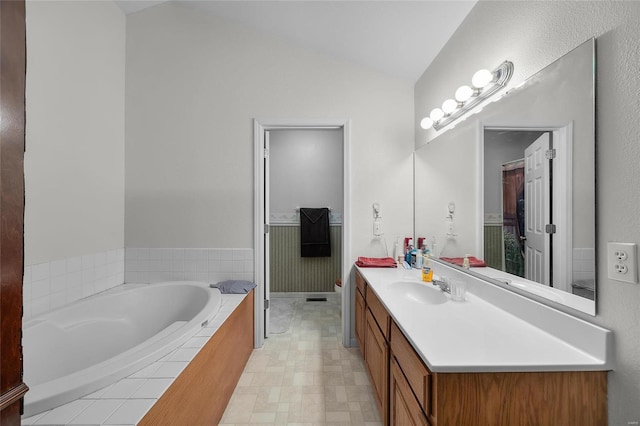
(202, 391)
(12, 100)
(12, 395)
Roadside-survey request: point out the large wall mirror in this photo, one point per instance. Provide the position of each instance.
(521, 177)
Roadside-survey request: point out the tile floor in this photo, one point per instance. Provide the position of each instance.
(305, 376)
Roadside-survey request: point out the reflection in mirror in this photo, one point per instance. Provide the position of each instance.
(522, 174)
(505, 233)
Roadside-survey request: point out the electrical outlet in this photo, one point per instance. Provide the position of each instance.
(451, 228)
(622, 261)
(377, 228)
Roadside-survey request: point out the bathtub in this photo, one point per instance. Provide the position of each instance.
(89, 344)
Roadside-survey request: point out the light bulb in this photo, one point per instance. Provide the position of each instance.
(449, 106)
(426, 123)
(481, 78)
(463, 93)
(436, 114)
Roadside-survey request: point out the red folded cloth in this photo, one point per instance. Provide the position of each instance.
(474, 262)
(376, 262)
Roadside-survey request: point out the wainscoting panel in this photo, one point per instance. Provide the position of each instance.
(493, 247)
(292, 273)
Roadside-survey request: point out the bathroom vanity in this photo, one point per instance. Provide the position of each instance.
(434, 361)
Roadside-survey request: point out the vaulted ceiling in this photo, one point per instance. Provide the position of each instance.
(398, 38)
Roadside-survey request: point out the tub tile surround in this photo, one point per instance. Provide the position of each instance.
(51, 285)
(584, 261)
(128, 400)
(147, 265)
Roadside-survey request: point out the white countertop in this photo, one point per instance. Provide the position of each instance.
(477, 336)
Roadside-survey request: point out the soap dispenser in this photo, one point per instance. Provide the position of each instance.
(465, 262)
(397, 254)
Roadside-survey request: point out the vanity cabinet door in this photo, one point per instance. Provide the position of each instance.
(376, 359)
(417, 374)
(404, 408)
(379, 312)
(360, 319)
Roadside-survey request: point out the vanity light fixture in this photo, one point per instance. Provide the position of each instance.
(485, 83)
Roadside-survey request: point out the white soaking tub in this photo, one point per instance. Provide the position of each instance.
(91, 343)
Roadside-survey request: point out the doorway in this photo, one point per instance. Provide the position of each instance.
(295, 168)
(526, 176)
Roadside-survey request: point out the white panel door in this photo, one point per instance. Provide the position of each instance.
(536, 195)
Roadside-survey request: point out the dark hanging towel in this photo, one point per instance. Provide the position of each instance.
(314, 232)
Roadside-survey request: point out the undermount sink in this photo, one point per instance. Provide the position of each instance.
(418, 292)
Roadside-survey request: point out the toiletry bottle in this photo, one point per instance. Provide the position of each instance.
(465, 262)
(427, 274)
(419, 259)
(407, 254)
(408, 241)
(396, 251)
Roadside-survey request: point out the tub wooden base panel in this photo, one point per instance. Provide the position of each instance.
(202, 391)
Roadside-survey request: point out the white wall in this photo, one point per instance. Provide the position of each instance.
(306, 170)
(533, 34)
(194, 84)
(74, 159)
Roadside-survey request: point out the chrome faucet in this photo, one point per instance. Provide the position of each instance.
(444, 285)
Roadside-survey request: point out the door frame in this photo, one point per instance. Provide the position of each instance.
(12, 147)
(259, 127)
(562, 209)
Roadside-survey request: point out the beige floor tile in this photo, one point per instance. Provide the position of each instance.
(243, 400)
(266, 379)
(313, 389)
(247, 390)
(338, 416)
(268, 418)
(299, 378)
(337, 406)
(237, 415)
(245, 379)
(282, 418)
(305, 376)
(328, 378)
(291, 394)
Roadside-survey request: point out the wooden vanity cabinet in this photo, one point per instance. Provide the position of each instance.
(418, 377)
(408, 393)
(372, 333)
(376, 359)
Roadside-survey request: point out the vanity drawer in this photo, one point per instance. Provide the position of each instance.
(361, 284)
(379, 312)
(417, 374)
